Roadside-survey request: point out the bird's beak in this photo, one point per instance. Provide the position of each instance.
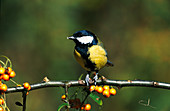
(71, 38)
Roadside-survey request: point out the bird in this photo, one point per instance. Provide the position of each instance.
(89, 53)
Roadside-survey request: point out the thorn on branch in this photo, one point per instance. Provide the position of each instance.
(155, 83)
(45, 79)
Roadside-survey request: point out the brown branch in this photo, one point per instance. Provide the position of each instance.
(73, 83)
(24, 100)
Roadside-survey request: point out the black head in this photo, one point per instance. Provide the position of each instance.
(84, 37)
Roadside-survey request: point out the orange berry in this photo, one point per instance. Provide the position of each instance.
(96, 88)
(1, 109)
(112, 91)
(92, 87)
(1, 101)
(26, 85)
(1, 76)
(106, 93)
(2, 70)
(29, 88)
(27, 93)
(3, 87)
(63, 96)
(100, 89)
(8, 70)
(5, 77)
(87, 107)
(106, 87)
(82, 108)
(12, 74)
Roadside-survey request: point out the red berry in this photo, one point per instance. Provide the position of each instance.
(29, 88)
(5, 77)
(8, 70)
(1, 101)
(106, 93)
(100, 89)
(106, 87)
(87, 107)
(1, 109)
(26, 85)
(3, 87)
(1, 75)
(12, 74)
(63, 96)
(92, 88)
(112, 91)
(2, 70)
(96, 88)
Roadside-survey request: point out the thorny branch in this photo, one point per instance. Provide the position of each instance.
(74, 83)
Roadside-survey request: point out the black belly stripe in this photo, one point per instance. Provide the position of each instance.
(84, 55)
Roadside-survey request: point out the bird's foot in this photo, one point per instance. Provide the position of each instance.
(95, 78)
(87, 79)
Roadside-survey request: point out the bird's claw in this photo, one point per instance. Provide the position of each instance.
(87, 79)
(95, 79)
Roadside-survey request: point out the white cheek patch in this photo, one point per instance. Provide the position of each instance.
(85, 39)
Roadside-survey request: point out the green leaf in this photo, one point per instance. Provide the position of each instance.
(80, 76)
(61, 106)
(96, 99)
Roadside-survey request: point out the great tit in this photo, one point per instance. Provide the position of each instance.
(89, 53)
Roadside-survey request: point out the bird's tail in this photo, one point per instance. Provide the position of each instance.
(109, 63)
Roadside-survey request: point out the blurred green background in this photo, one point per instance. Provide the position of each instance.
(136, 34)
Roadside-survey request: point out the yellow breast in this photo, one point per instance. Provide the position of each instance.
(97, 56)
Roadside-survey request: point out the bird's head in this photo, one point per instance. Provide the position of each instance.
(84, 37)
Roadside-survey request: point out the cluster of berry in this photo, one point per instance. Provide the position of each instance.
(85, 107)
(27, 87)
(105, 90)
(5, 74)
(1, 103)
